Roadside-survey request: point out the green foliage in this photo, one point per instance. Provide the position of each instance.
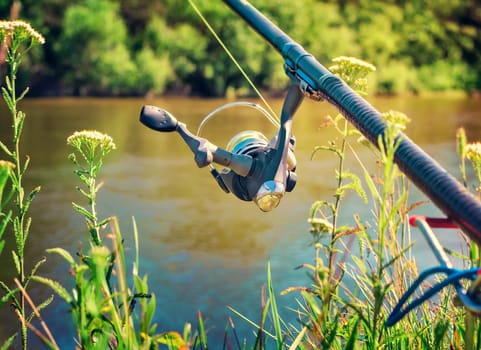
(111, 47)
(444, 76)
(92, 147)
(102, 312)
(397, 77)
(360, 272)
(109, 308)
(153, 72)
(93, 43)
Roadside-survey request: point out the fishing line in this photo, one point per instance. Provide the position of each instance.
(231, 56)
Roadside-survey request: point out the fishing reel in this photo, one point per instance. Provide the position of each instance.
(256, 169)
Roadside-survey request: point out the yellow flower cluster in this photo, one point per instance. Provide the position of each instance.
(320, 225)
(473, 153)
(398, 119)
(20, 30)
(345, 62)
(353, 71)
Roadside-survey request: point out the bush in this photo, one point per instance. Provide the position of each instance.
(396, 78)
(93, 46)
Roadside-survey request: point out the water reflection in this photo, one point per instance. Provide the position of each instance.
(202, 249)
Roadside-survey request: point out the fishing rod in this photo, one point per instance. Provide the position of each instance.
(262, 170)
(453, 199)
(461, 207)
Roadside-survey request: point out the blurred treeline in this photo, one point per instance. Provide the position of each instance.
(139, 47)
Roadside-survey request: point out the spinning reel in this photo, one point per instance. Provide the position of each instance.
(256, 168)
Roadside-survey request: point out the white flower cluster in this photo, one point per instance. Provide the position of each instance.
(93, 138)
(20, 30)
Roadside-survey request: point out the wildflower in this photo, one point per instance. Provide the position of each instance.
(354, 63)
(353, 71)
(397, 119)
(92, 145)
(91, 140)
(20, 31)
(473, 153)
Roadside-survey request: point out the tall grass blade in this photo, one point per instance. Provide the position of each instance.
(203, 335)
(251, 322)
(274, 312)
(297, 342)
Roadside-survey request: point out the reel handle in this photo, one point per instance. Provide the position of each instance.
(158, 119)
(205, 152)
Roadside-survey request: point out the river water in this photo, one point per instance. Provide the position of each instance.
(202, 249)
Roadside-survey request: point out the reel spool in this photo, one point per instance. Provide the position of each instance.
(256, 145)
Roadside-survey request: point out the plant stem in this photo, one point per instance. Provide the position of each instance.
(337, 204)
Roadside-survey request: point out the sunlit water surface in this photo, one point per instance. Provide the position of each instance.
(203, 250)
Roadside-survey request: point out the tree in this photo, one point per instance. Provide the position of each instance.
(93, 48)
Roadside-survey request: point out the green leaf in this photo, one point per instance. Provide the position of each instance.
(4, 222)
(83, 211)
(26, 164)
(298, 341)
(351, 342)
(10, 294)
(19, 123)
(312, 304)
(274, 313)
(326, 148)
(37, 266)
(8, 343)
(46, 303)
(172, 339)
(16, 260)
(56, 287)
(63, 253)
(104, 222)
(33, 193)
(8, 99)
(22, 95)
(354, 185)
(26, 230)
(150, 310)
(318, 205)
(360, 264)
(4, 175)
(203, 336)
(5, 149)
(8, 82)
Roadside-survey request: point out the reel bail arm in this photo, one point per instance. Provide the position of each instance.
(277, 178)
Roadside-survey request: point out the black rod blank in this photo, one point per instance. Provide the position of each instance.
(454, 200)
